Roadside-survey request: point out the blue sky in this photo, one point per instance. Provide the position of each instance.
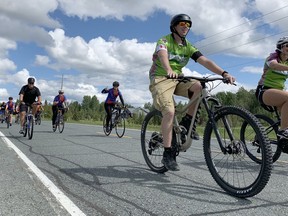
(91, 43)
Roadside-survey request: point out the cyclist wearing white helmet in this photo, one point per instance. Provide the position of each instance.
(172, 53)
(270, 90)
(59, 102)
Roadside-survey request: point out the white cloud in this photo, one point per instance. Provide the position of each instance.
(251, 69)
(225, 25)
(42, 60)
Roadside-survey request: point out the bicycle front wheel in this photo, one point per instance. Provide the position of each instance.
(152, 141)
(120, 126)
(226, 152)
(61, 124)
(271, 129)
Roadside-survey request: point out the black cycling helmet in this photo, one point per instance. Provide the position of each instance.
(281, 41)
(116, 84)
(179, 18)
(31, 80)
(10, 98)
(61, 91)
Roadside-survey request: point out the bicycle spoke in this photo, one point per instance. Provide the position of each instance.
(230, 163)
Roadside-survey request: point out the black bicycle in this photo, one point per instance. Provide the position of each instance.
(59, 122)
(225, 151)
(117, 121)
(271, 128)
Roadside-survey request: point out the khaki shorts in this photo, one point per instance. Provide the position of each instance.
(163, 89)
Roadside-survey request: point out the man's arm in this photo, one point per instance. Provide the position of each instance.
(39, 99)
(163, 56)
(21, 96)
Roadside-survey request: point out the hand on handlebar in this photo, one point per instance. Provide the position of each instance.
(230, 79)
(172, 74)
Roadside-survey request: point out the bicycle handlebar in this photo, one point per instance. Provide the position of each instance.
(201, 79)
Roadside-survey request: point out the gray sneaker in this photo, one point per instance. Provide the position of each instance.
(169, 162)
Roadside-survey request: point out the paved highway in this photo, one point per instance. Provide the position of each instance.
(83, 172)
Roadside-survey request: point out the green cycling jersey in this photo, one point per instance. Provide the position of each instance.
(273, 78)
(178, 56)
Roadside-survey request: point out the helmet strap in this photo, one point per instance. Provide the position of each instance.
(183, 38)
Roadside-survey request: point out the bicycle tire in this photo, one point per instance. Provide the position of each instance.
(8, 121)
(271, 129)
(107, 133)
(39, 119)
(25, 128)
(54, 128)
(120, 126)
(152, 142)
(30, 127)
(232, 164)
(61, 124)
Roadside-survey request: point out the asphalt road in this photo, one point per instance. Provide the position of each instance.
(83, 172)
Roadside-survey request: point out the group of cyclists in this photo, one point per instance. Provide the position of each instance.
(172, 53)
(30, 95)
(7, 110)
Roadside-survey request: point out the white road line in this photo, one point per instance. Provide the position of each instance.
(60, 196)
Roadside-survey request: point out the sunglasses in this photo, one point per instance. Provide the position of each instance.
(31, 83)
(186, 24)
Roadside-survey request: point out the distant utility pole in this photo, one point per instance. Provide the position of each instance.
(62, 83)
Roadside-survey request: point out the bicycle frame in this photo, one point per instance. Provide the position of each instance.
(198, 99)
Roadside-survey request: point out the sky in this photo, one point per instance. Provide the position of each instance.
(91, 43)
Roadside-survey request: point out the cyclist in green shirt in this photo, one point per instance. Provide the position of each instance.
(172, 53)
(270, 90)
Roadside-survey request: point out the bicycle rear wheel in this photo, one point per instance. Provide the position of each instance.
(271, 129)
(61, 124)
(106, 132)
(8, 121)
(25, 129)
(152, 141)
(227, 157)
(120, 126)
(30, 127)
(38, 119)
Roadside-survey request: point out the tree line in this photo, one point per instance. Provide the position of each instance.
(90, 109)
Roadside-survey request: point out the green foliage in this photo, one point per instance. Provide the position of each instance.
(92, 110)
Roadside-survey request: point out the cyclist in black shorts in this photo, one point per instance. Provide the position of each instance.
(110, 101)
(270, 90)
(27, 96)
